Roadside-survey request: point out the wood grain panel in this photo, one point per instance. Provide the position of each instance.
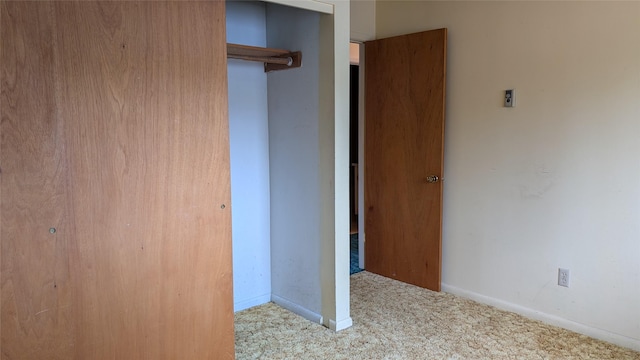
(37, 286)
(114, 131)
(404, 143)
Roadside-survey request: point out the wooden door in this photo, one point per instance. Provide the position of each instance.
(115, 216)
(404, 138)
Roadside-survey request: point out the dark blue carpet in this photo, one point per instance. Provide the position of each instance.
(354, 254)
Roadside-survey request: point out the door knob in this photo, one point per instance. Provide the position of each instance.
(432, 179)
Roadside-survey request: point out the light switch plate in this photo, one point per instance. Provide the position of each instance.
(510, 98)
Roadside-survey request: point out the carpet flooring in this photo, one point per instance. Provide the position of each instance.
(393, 320)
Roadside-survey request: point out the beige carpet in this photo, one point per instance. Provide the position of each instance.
(393, 320)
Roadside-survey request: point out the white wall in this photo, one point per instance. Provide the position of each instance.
(294, 162)
(249, 142)
(334, 95)
(553, 182)
(363, 20)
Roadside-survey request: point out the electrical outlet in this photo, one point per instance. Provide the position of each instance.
(563, 277)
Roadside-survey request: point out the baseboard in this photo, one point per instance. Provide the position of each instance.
(249, 303)
(340, 325)
(546, 318)
(297, 309)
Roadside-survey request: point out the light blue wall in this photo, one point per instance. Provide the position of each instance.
(275, 179)
(249, 142)
(294, 156)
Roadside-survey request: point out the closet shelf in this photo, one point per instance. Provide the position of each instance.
(273, 59)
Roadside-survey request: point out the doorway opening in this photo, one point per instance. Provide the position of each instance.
(356, 251)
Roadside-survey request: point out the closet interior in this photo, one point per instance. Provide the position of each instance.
(275, 151)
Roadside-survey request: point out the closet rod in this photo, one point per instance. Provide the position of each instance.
(273, 59)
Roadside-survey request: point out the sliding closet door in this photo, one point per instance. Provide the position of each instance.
(115, 216)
